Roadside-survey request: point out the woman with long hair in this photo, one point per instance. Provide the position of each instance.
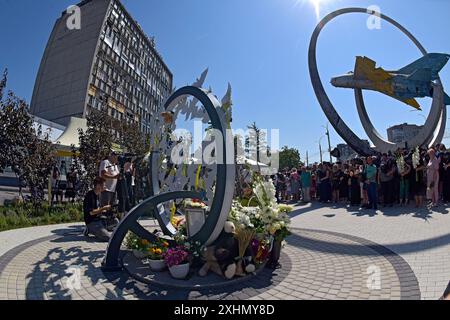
(433, 178)
(336, 182)
(417, 176)
(325, 192)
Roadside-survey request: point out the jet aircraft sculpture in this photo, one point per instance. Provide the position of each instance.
(413, 81)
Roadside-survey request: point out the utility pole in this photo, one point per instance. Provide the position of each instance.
(307, 159)
(320, 151)
(329, 143)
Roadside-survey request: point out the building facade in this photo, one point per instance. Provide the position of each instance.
(346, 152)
(403, 132)
(108, 63)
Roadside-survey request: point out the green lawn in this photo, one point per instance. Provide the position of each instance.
(24, 215)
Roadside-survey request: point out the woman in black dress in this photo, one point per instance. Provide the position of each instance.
(418, 183)
(446, 177)
(336, 179)
(325, 184)
(355, 188)
(344, 185)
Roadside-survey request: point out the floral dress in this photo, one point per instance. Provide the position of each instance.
(433, 179)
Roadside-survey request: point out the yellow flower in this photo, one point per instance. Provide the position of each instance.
(144, 242)
(158, 251)
(165, 244)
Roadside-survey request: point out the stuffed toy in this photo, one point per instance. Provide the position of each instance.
(245, 265)
(220, 257)
(249, 266)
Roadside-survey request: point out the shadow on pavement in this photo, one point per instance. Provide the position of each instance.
(423, 213)
(50, 275)
(361, 249)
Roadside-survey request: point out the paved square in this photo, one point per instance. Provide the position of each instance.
(334, 253)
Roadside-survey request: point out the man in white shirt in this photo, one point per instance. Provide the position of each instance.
(110, 171)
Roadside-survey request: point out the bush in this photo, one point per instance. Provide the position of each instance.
(25, 215)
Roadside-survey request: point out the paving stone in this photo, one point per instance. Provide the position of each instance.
(329, 263)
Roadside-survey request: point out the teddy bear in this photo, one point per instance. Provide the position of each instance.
(220, 257)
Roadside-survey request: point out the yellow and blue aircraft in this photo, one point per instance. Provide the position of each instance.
(406, 84)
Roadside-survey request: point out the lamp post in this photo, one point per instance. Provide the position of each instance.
(320, 148)
(329, 142)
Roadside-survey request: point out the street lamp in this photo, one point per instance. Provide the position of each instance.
(320, 148)
(329, 142)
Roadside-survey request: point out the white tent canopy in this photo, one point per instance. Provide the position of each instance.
(250, 162)
(70, 135)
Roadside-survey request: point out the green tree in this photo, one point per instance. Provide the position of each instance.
(38, 165)
(133, 140)
(27, 150)
(256, 142)
(95, 146)
(289, 158)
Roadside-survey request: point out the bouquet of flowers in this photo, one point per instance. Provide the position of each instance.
(157, 249)
(268, 217)
(181, 235)
(416, 158)
(416, 161)
(133, 242)
(195, 250)
(260, 250)
(401, 164)
(243, 217)
(175, 256)
(244, 236)
(194, 204)
(274, 216)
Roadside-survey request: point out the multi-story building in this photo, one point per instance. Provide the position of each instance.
(403, 132)
(346, 152)
(107, 63)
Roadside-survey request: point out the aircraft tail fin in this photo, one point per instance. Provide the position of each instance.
(421, 74)
(433, 61)
(365, 68)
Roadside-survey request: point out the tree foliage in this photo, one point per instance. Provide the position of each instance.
(38, 164)
(133, 140)
(256, 143)
(96, 142)
(27, 150)
(289, 158)
(95, 145)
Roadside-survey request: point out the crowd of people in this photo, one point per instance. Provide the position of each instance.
(387, 179)
(64, 189)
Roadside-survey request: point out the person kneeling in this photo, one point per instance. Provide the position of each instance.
(97, 223)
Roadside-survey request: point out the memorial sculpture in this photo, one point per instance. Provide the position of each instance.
(201, 221)
(419, 79)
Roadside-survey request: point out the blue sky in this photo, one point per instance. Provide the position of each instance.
(260, 47)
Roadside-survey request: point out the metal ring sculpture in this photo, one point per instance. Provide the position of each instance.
(221, 203)
(434, 128)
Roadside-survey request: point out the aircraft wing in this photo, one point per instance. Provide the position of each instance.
(410, 102)
(365, 68)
